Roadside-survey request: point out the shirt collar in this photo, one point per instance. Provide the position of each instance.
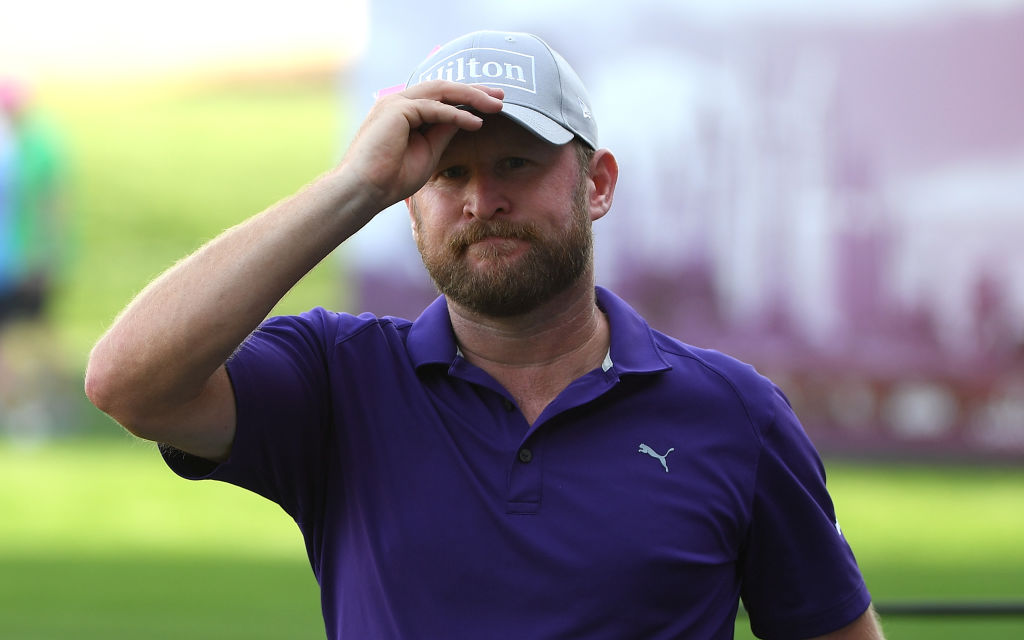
(632, 349)
(432, 341)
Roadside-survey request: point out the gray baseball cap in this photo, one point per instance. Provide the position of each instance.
(542, 92)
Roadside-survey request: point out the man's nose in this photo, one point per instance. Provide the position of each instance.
(485, 197)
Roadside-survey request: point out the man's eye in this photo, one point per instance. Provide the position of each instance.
(515, 163)
(452, 172)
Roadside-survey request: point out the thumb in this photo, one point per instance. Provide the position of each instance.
(438, 137)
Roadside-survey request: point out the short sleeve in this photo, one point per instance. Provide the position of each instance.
(279, 376)
(800, 578)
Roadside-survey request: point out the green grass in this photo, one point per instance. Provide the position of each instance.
(96, 541)
(100, 540)
(155, 172)
(156, 597)
(948, 533)
(915, 525)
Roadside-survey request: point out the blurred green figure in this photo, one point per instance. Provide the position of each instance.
(35, 193)
(32, 193)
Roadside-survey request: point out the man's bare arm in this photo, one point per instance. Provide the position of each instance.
(159, 370)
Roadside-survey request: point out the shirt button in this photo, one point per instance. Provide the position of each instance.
(525, 455)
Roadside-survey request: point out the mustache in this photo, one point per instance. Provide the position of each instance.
(505, 229)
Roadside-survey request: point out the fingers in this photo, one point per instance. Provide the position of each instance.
(438, 136)
(402, 138)
(438, 109)
(426, 113)
(441, 102)
(480, 97)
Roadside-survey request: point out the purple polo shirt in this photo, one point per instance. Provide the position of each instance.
(649, 497)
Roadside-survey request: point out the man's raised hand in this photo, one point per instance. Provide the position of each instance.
(404, 135)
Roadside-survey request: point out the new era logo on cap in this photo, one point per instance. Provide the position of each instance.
(493, 67)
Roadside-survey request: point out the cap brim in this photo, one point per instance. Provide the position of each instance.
(541, 125)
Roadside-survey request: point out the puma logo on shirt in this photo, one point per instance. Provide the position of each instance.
(654, 454)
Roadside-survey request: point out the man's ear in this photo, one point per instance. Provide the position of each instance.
(410, 204)
(604, 173)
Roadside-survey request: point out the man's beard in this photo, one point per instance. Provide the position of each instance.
(507, 287)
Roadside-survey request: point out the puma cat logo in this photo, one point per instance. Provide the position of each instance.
(654, 454)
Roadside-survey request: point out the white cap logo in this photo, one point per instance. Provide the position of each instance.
(495, 67)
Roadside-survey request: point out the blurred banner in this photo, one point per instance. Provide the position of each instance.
(832, 193)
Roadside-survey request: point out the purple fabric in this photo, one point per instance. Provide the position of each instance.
(431, 509)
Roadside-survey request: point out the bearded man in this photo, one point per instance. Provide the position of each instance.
(528, 459)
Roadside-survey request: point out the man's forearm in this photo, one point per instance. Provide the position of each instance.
(154, 370)
(167, 343)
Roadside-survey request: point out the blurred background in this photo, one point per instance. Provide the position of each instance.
(831, 191)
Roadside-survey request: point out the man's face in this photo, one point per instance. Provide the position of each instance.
(503, 224)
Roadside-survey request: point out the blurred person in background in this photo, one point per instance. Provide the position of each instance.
(32, 241)
(7, 152)
(528, 459)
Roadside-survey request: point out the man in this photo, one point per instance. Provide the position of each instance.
(528, 459)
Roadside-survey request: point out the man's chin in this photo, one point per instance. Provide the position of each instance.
(504, 294)
(493, 307)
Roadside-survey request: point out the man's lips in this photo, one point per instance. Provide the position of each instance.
(496, 244)
(493, 236)
(498, 240)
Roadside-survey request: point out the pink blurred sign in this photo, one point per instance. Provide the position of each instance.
(838, 201)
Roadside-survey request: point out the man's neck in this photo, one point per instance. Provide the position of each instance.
(537, 354)
(558, 329)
